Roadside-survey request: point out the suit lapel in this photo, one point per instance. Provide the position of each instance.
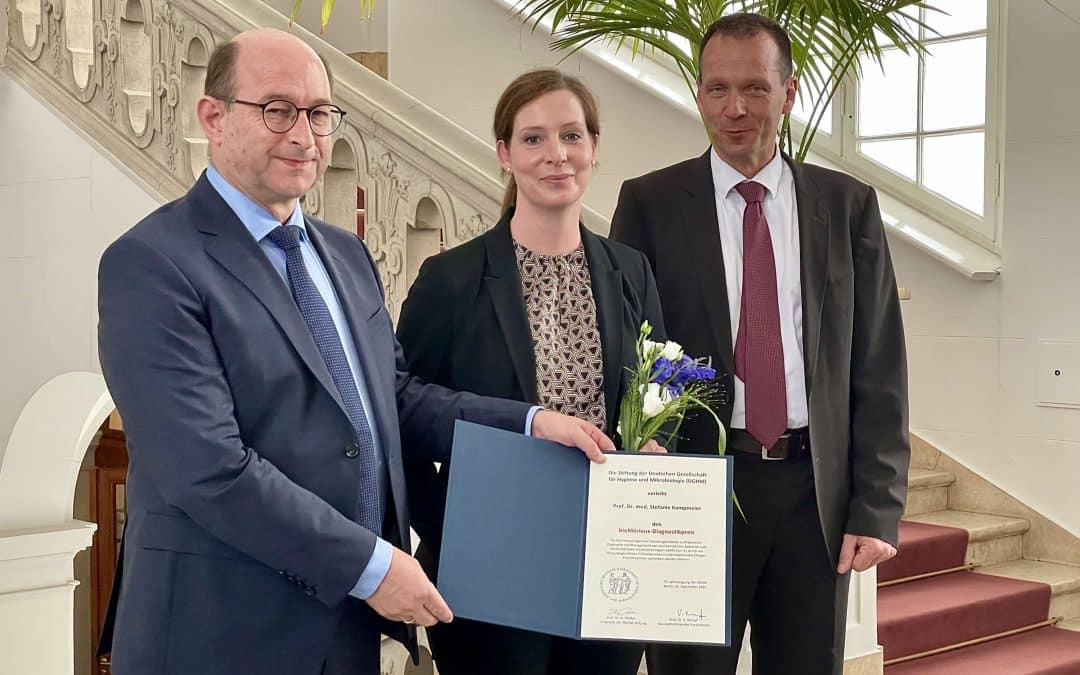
(607, 291)
(814, 243)
(359, 308)
(702, 230)
(503, 282)
(234, 249)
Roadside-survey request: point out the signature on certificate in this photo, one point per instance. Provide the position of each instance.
(691, 615)
(622, 613)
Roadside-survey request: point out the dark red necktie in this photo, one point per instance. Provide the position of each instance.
(759, 352)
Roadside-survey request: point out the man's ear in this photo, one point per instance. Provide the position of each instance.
(211, 113)
(789, 94)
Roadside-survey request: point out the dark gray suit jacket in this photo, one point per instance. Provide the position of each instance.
(243, 498)
(853, 338)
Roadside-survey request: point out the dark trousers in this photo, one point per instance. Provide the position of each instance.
(783, 582)
(465, 647)
(356, 645)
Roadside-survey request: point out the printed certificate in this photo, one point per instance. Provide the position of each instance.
(538, 537)
(657, 549)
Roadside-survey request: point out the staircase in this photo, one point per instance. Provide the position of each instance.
(967, 593)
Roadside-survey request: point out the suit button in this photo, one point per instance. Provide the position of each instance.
(352, 449)
(309, 591)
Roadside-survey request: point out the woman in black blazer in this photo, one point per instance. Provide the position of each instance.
(538, 309)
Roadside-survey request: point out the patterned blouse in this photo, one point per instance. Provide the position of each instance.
(566, 341)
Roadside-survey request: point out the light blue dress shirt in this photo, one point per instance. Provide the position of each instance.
(259, 222)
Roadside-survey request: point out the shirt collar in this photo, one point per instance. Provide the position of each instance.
(726, 177)
(258, 221)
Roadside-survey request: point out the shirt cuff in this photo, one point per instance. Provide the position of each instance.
(528, 418)
(375, 572)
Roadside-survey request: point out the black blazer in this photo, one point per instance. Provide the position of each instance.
(853, 338)
(464, 326)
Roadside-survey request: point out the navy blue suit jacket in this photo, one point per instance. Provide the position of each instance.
(242, 539)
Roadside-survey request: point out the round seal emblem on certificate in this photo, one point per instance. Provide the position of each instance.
(619, 584)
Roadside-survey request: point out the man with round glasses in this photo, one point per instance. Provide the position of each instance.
(264, 398)
(280, 116)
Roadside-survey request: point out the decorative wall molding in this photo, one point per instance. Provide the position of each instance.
(126, 75)
(132, 86)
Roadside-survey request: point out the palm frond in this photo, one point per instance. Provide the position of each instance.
(829, 37)
(327, 10)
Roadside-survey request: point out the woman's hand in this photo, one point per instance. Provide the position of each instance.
(572, 432)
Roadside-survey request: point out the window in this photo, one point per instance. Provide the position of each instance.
(924, 127)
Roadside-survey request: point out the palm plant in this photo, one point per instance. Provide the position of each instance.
(327, 9)
(828, 37)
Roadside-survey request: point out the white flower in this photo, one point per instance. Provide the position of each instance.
(673, 351)
(650, 348)
(654, 400)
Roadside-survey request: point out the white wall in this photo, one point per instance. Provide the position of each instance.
(976, 350)
(973, 345)
(348, 30)
(462, 79)
(61, 203)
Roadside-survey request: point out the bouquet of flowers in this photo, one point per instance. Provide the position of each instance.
(666, 385)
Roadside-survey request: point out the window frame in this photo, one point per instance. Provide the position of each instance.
(841, 145)
(984, 230)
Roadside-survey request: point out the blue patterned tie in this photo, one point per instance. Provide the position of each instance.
(321, 324)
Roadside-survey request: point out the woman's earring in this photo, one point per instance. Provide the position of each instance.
(595, 162)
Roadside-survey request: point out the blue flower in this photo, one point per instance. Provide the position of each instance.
(705, 372)
(684, 371)
(662, 370)
(689, 371)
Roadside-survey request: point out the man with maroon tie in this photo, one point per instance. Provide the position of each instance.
(791, 261)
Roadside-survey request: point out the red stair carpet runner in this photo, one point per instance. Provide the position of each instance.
(1045, 651)
(931, 613)
(925, 548)
(939, 611)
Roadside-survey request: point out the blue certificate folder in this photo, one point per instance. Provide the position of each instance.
(513, 546)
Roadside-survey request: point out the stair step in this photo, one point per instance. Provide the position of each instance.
(980, 526)
(1046, 651)
(927, 478)
(991, 539)
(926, 500)
(1064, 582)
(945, 610)
(925, 548)
(928, 490)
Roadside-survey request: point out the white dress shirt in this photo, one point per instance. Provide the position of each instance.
(782, 213)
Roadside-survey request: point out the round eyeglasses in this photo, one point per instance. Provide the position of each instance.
(280, 116)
